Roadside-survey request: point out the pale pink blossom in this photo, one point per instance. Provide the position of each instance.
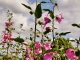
(37, 51)
(25, 43)
(29, 57)
(59, 18)
(5, 32)
(47, 46)
(28, 50)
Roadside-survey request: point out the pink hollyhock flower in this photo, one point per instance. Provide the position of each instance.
(3, 41)
(38, 45)
(5, 37)
(11, 42)
(7, 24)
(47, 46)
(59, 18)
(37, 51)
(48, 56)
(46, 20)
(5, 32)
(70, 53)
(28, 50)
(25, 43)
(27, 58)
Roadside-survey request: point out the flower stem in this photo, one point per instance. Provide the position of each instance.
(7, 50)
(35, 33)
(53, 25)
(42, 40)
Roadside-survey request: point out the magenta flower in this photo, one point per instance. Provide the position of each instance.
(7, 24)
(59, 18)
(38, 45)
(37, 51)
(48, 29)
(47, 46)
(70, 53)
(48, 56)
(46, 20)
(28, 57)
(5, 37)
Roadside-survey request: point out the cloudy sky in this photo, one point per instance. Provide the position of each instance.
(69, 8)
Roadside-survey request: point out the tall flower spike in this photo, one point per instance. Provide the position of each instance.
(59, 18)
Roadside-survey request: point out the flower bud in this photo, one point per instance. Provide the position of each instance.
(38, 35)
(40, 22)
(56, 4)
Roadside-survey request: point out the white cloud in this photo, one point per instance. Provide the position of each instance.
(69, 8)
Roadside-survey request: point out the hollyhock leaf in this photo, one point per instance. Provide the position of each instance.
(52, 14)
(7, 29)
(38, 11)
(18, 39)
(76, 25)
(46, 10)
(64, 33)
(31, 38)
(44, 2)
(77, 52)
(27, 6)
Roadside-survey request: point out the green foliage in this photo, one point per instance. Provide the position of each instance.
(27, 6)
(43, 2)
(62, 42)
(64, 33)
(76, 25)
(46, 10)
(78, 52)
(38, 11)
(52, 14)
(18, 39)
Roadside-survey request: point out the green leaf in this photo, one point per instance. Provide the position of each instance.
(52, 14)
(43, 2)
(38, 11)
(64, 33)
(72, 40)
(46, 10)
(18, 39)
(76, 25)
(31, 38)
(27, 6)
